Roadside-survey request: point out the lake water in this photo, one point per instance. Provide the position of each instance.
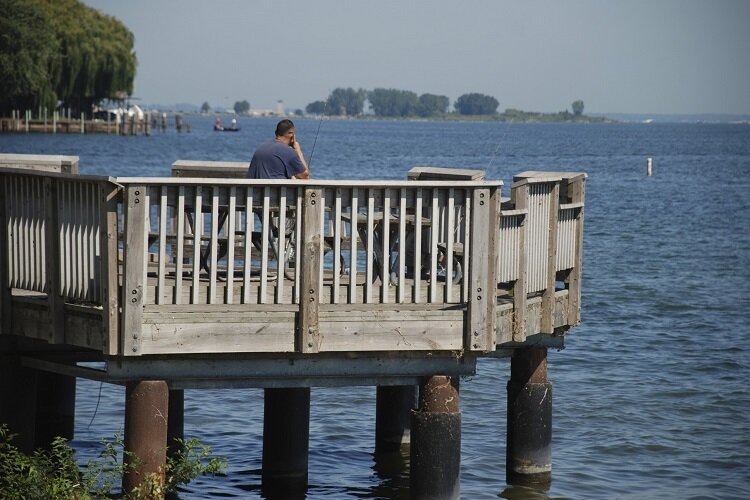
(651, 394)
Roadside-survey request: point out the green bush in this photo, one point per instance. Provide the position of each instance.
(54, 473)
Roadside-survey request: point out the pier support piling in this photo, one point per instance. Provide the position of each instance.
(436, 440)
(529, 438)
(55, 408)
(286, 435)
(393, 408)
(17, 395)
(175, 421)
(146, 418)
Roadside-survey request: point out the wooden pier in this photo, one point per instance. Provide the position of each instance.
(206, 280)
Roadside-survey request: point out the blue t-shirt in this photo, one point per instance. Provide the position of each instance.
(274, 160)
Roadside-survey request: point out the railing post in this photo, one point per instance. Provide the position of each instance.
(483, 276)
(520, 199)
(132, 292)
(308, 338)
(108, 194)
(5, 303)
(55, 301)
(548, 296)
(576, 193)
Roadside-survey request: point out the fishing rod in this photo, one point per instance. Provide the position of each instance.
(320, 122)
(502, 138)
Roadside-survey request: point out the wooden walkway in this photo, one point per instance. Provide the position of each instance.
(422, 272)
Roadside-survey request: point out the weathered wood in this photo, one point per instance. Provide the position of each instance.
(520, 197)
(407, 235)
(395, 330)
(548, 296)
(210, 169)
(311, 255)
(52, 271)
(42, 163)
(576, 192)
(481, 310)
(109, 266)
(134, 267)
(445, 173)
(5, 292)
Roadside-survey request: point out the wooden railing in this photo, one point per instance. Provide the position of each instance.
(377, 242)
(135, 249)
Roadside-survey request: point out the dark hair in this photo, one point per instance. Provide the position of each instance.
(283, 127)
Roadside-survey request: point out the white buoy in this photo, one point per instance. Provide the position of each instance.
(649, 167)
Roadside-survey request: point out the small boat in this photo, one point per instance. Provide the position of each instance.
(219, 128)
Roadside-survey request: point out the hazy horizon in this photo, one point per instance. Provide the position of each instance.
(636, 57)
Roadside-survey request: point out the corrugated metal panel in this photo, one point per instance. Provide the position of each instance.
(25, 205)
(509, 251)
(537, 236)
(566, 239)
(79, 221)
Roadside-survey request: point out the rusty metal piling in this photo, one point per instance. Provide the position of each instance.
(436, 441)
(529, 439)
(146, 418)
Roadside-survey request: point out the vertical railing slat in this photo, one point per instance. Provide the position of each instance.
(197, 235)
(353, 248)
(370, 245)
(337, 247)
(402, 246)
(230, 234)
(180, 242)
(213, 246)
(247, 258)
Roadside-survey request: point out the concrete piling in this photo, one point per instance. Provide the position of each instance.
(146, 418)
(286, 435)
(436, 441)
(529, 438)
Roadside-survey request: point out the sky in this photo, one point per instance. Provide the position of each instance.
(634, 56)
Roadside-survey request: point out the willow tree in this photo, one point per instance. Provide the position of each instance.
(27, 48)
(81, 56)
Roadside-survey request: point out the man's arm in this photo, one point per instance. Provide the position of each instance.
(306, 173)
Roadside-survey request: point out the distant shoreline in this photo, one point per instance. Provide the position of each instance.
(522, 117)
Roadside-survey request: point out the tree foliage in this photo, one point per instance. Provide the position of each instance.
(476, 104)
(432, 105)
(316, 108)
(392, 102)
(205, 107)
(241, 107)
(346, 102)
(61, 51)
(577, 107)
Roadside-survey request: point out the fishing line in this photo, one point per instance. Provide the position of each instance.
(97, 405)
(499, 143)
(320, 122)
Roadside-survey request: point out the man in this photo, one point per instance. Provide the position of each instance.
(279, 158)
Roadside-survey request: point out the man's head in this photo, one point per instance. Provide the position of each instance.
(285, 131)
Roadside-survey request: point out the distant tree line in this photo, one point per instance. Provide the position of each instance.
(62, 53)
(405, 103)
